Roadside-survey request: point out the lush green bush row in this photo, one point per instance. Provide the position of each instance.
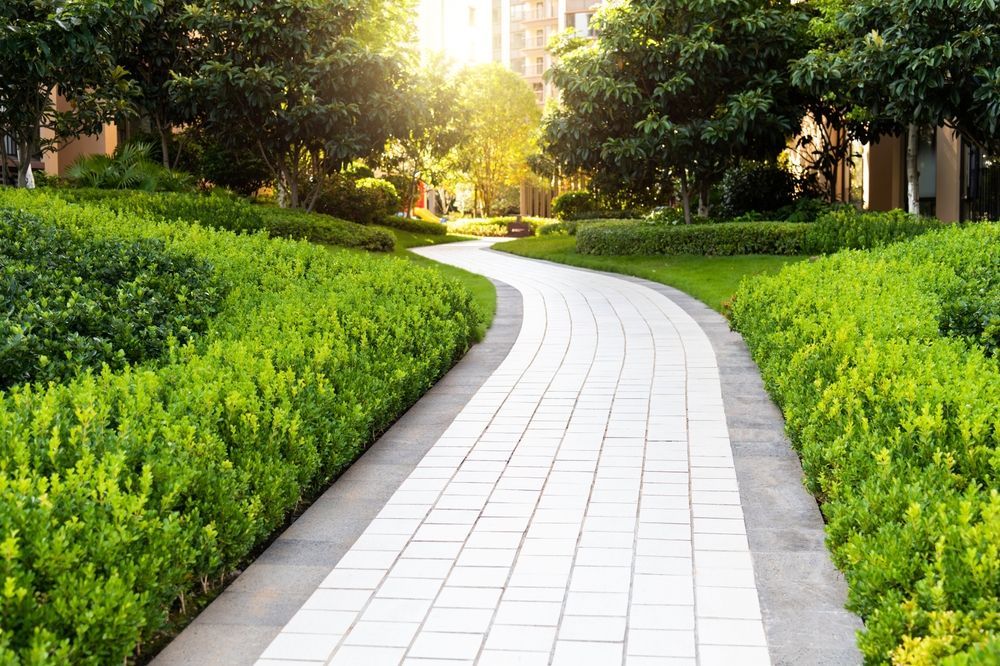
(319, 228)
(70, 302)
(883, 363)
(224, 211)
(579, 205)
(492, 227)
(622, 238)
(122, 491)
(838, 229)
(414, 225)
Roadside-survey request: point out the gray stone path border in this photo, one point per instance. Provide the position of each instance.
(802, 595)
(245, 618)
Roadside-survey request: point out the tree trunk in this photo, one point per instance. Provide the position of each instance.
(704, 205)
(3, 159)
(24, 151)
(165, 148)
(913, 169)
(685, 197)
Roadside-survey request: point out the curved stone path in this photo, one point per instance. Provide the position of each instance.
(582, 508)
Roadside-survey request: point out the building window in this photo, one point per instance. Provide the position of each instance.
(581, 24)
(540, 37)
(539, 66)
(539, 89)
(517, 64)
(472, 16)
(539, 10)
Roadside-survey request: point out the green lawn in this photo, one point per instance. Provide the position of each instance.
(712, 280)
(483, 292)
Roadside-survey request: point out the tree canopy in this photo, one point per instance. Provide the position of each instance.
(678, 89)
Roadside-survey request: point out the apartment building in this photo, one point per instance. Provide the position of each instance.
(522, 30)
(455, 28)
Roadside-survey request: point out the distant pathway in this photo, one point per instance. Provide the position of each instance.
(583, 507)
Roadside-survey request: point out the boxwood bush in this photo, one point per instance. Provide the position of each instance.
(225, 211)
(121, 491)
(414, 225)
(495, 227)
(884, 363)
(836, 230)
(70, 302)
(622, 238)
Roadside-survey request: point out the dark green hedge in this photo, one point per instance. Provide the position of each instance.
(69, 302)
(225, 211)
(895, 411)
(622, 238)
(839, 229)
(122, 491)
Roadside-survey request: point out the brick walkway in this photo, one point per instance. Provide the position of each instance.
(582, 509)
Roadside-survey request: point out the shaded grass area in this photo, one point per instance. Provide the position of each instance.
(712, 280)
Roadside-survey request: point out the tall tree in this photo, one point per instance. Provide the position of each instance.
(69, 48)
(293, 80)
(927, 63)
(680, 89)
(163, 50)
(502, 119)
(434, 124)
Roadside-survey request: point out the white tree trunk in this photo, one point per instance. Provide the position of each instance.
(29, 178)
(913, 169)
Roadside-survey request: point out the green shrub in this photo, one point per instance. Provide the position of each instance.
(761, 187)
(129, 168)
(221, 210)
(896, 420)
(69, 303)
(569, 205)
(218, 210)
(622, 238)
(495, 227)
(839, 229)
(847, 228)
(414, 225)
(122, 491)
(319, 228)
(365, 201)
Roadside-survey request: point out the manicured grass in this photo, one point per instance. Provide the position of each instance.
(712, 280)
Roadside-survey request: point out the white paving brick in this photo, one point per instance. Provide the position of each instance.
(583, 507)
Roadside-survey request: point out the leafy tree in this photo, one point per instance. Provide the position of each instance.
(927, 63)
(434, 126)
(163, 50)
(292, 80)
(501, 131)
(50, 46)
(678, 89)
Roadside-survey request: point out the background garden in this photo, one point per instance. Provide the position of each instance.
(200, 331)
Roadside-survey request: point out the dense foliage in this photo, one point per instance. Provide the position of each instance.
(833, 231)
(70, 303)
(130, 167)
(761, 187)
(122, 491)
(362, 200)
(677, 90)
(893, 402)
(573, 205)
(223, 211)
(496, 227)
(414, 225)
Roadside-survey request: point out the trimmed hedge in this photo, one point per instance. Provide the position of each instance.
(122, 491)
(495, 227)
(319, 228)
(414, 225)
(623, 238)
(896, 415)
(70, 302)
(224, 211)
(839, 229)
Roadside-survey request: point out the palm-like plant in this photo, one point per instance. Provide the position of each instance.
(131, 167)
